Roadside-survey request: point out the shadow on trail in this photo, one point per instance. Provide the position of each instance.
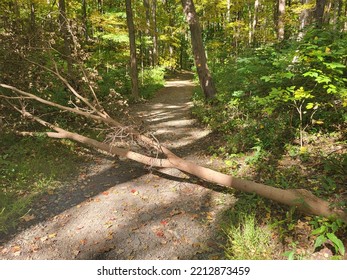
(114, 175)
(70, 195)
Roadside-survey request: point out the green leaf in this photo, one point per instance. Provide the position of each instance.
(334, 65)
(301, 94)
(319, 241)
(309, 106)
(311, 74)
(320, 230)
(289, 255)
(331, 88)
(337, 242)
(266, 78)
(288, 75)
(323, 79)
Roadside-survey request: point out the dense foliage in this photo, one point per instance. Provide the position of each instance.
(276, 93)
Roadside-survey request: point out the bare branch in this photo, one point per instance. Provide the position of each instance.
(56, 105)
(101, 117)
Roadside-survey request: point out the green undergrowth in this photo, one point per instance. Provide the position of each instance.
(30, 167)
(246, 240)
(280, 116)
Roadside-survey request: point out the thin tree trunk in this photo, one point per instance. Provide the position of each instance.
(205, 77)
(64, 30)
(319, 12)
(304, 19)
(133, 60)
(254, 21)
(32, 17)
(85, 19)
(228, 10)
(155, 33)
(280, 22)
(100, 6)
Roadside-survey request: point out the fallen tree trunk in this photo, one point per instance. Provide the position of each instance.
(304, 200)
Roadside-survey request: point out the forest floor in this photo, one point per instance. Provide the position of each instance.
(118, 209)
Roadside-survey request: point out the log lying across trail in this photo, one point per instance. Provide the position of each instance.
(304, 200)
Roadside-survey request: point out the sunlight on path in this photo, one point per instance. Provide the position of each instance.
(168, 115)
(121, 210)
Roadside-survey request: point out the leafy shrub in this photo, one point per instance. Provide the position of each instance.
(275, 93)
(151, 79)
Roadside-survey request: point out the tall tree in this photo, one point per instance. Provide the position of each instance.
(155, 34)
(64, 30)
(253, 21)
(205, 77)
(280, 20)
(133, 60)
(304, 18)
(85, 19)
(319, 12)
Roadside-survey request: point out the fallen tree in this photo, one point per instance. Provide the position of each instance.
(302, 199)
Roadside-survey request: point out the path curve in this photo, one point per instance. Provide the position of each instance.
(121, 210)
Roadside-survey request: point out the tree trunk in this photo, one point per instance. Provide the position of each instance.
(101, 6)
(64, 30)
(155, 33)
(133, 61)
(280, 21)
(319, 12)
(254, 22)
(304, 200)
(205, 77)
(85, 19)
(228, 10)
(148, 51)
(304, 19)
(32, 17)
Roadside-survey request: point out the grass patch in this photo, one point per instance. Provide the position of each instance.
(247, 240)
(30, 167)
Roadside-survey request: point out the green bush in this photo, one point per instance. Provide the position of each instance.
(151, 80)
(274, 94)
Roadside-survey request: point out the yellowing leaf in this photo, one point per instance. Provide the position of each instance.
(16, 248)
(303, 150)
(52, 235)
(209, 216)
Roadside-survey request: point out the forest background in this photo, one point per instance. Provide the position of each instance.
(277, 103)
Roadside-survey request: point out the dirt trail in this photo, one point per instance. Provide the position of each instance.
(121, 210)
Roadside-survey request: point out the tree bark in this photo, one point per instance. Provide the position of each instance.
(304, 200)
(280, 21)
(155, 33)
(319, 12)
(133, 60)
(85, 19)
(148, 52)
(64, 30)
(304, 19)
(253, 22)
(200, 59)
